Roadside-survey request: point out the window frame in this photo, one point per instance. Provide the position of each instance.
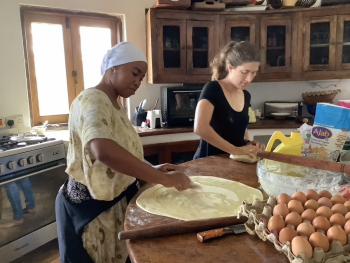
(70, 22)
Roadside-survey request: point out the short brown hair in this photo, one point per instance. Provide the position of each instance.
(235, 54)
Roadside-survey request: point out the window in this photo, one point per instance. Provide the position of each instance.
(63, 56)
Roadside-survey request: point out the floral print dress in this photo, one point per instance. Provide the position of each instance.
(92, 116)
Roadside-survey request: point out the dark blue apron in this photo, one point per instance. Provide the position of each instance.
(72, 218)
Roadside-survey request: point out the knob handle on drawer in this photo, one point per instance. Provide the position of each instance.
(39, 157)
(11, 165)
(22, 162)
(30, 159)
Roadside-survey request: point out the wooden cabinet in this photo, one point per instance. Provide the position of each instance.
(295, 44)
(174, 152)
(326, 50)
(239, 28)
(180, 46)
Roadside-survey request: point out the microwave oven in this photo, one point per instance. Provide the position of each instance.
(178, 105)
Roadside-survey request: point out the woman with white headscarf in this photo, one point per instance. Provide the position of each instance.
(105, 156)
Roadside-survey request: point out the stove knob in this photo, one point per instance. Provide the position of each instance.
(2, 168)
(11, 165)
(22, 162)
(40, 157)
(30, 160)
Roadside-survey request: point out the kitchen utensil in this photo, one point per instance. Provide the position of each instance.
(179, 227)
(292, 144)
(155, 104)
(306, 162)
(214, 233)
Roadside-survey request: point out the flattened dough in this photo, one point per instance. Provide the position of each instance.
(243, 158)
(214, 197)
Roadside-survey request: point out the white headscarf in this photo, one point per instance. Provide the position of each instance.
(120, 54)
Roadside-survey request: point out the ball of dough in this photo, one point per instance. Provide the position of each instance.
(244, 158)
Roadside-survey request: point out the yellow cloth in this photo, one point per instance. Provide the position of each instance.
(92, 115)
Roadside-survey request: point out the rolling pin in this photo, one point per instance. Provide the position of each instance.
(214, 233)
(306, 162)
(179, 227)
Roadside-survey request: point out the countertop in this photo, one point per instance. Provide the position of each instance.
(185, 247)
(166, 135)
(259, 124)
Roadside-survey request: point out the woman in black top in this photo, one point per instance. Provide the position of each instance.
(221, 117)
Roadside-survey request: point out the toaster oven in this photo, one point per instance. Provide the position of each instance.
(282, 109)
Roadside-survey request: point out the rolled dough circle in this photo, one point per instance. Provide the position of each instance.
(214, 197)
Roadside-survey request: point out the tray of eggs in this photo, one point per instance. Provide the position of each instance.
(308, 227)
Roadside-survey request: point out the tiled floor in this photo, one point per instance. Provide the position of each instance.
(47, 253)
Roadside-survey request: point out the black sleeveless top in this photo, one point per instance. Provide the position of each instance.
(228, 123)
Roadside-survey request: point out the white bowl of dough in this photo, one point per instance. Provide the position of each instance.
(276, 178)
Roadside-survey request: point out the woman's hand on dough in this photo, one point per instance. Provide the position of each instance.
(167, 167)
(178, 180)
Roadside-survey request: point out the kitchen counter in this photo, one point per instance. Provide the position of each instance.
(259, 124)
(185, 247)
(167, 135)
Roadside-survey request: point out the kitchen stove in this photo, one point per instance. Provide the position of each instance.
(32, 169)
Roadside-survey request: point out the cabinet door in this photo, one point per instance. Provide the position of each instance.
(240, 29)
(319, 45)
(171, 45)
(276, 44)
(343, 43)
(201, 46)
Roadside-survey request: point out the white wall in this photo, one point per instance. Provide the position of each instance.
(13, 82)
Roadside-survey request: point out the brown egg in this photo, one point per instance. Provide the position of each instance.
(347, 227)
(311, 203)
(324, 201)
(321, 223)
(275, 224)
(339, 208)
(295, 205)
(336, 232)
(281, 209)
(300, 196)
(325, 193)
(286, 234)
(301, 247)
(347, 216)
(309, 214)
(283, 198)
(293, 218)
(347, 204)
(305, 229)
(337, 219)
(311, 194)
(338, 199)
(324, 211)
(318, 239)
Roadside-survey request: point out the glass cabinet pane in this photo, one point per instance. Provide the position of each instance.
(171, 47)
(276, 46)
(346, 42)
(200, 42)
(319, 43)
(240, 33)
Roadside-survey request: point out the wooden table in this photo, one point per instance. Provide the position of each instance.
(185, 248)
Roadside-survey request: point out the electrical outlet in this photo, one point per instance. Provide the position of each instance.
(14, 121)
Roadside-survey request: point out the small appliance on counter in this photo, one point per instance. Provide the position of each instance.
(178, 104)
(282, 109)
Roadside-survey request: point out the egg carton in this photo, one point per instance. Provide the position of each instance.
(258, 214)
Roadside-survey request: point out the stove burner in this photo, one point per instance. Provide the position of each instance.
(9, 143)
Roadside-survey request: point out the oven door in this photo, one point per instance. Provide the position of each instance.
(27, 203)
